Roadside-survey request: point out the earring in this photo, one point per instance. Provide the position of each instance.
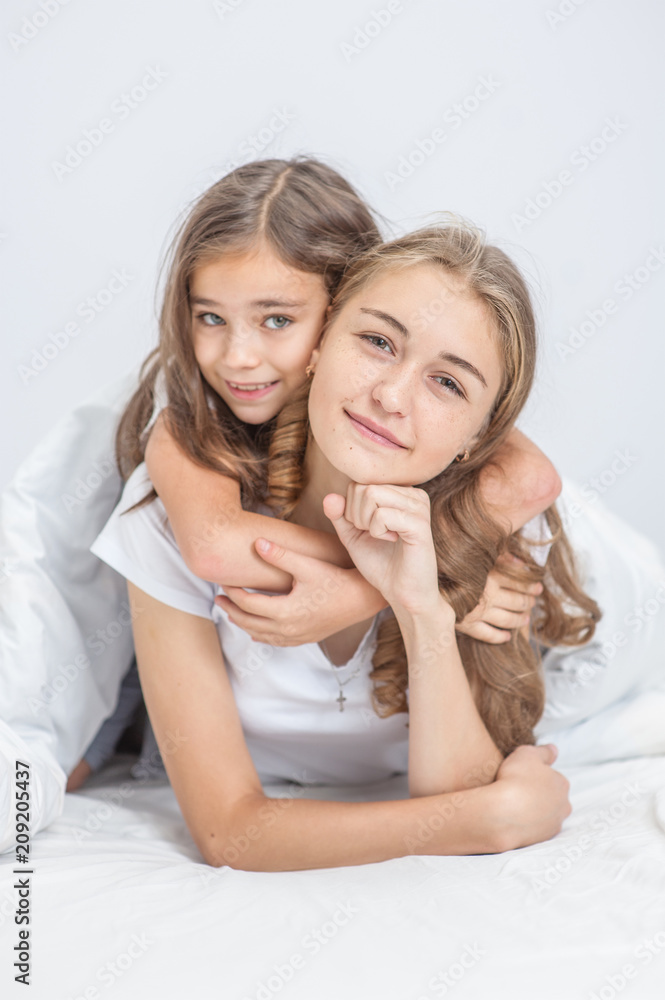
(464, 457)
(309, 371)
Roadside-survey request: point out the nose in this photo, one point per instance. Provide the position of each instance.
(394, 390)
(240, 348)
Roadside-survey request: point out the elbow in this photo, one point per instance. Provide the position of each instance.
(202, 563)
(548, 488)
(221, 855)
(237, 842)
(542, 489)
(225, 852)
(230, 855)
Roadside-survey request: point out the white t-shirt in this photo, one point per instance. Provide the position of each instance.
(286, 696)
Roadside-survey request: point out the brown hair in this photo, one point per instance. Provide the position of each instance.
(314, 221)
(505, 679)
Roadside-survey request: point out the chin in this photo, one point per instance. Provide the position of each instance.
(361, 469)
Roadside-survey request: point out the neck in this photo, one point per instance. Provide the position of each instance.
(321, 478)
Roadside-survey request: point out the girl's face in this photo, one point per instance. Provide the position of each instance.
(405, 377)
(255, 321)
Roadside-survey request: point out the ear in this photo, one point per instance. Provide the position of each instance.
(314, 357)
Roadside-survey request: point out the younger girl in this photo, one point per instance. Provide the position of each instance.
(392, 404)
(251, 275)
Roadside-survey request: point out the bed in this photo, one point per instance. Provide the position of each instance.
(123, 905)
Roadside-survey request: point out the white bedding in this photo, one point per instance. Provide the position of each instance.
(122, 906)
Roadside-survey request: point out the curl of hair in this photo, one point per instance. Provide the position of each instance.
(315, 222)
(506, 680)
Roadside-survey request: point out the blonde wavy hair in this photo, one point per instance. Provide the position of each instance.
(506, 680)
(315, 221)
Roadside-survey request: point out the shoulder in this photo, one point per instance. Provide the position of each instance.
(139, 544)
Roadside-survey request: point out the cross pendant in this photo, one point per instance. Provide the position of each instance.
(341, 699)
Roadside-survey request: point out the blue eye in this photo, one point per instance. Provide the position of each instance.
(210, 319)
(281, 322)
(449, 384)
(373, 338)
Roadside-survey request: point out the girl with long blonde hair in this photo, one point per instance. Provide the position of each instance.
(384, 446)
(250, 275)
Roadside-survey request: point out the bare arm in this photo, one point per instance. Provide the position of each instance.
(192, 709)
(448, 740)
(520, 483)
(217, 537)
(214, 534)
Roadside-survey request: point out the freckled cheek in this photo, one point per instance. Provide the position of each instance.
(353, 372)
(443, 432)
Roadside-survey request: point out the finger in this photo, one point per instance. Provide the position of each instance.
(510, 600)
(363, 500)
(356, 506)
(498, 579)
(263, 605)
(259, 628)
(390, 523)
(298, 565)
(548, 751)
(334, 507)
(500, 618)
(510, 560)
(486, 633)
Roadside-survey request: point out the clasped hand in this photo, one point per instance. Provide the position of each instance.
(387, 532)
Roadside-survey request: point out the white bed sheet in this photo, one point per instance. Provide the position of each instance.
(122, 906)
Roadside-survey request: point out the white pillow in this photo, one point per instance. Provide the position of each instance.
(602, 699)
(65, 628)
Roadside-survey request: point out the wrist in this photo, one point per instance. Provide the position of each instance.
(473, 822)
(436, 617)
(499, 827)
(366, 599)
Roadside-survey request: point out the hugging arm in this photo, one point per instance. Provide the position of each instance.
(193, 713)
(214, 533)
(217, 540)
(520, 483)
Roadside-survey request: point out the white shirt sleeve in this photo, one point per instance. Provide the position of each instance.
(141, 546)
(537, 535)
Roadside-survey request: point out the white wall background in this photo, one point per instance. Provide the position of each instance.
(559, 71)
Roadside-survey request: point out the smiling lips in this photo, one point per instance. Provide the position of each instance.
(250, 390)
(375, 432)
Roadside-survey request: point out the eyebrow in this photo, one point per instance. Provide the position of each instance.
(387, 318)
(452, 359)
(259, 303)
